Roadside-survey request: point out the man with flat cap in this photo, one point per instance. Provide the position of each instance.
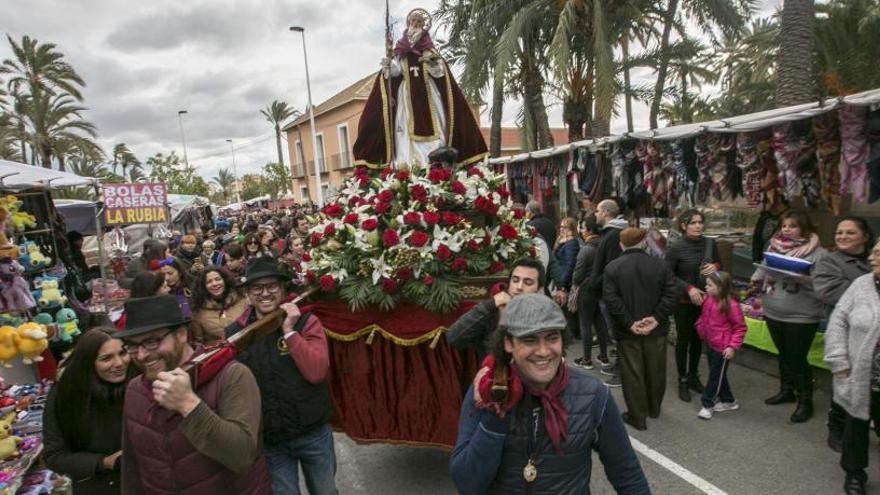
(181, 438)
(291, 366)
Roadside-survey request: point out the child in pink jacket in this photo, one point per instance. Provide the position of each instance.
(722, 327)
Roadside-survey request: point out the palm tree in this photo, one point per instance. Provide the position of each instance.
(8, 139)
(277, 113)
(39, 68)
(136, 174)
(225, 180)
(795, 59)
(56, 118)
(123, 156)
(846, 57)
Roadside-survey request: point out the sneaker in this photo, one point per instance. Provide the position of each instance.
(610, 370)
(705, 413)
(726, 406)
(603, 361)
(585, 363)
(613, 382)
(595, 341)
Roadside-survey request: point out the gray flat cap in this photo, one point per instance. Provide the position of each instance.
(528, 314)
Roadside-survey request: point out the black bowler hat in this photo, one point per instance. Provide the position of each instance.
(264, 267)
(145, 314)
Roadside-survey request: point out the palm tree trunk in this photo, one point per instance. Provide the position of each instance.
(627, 85)
(795, 58)
(278, 143)
(533, 85)
(61, 166)
(669, 19)
(496, 114)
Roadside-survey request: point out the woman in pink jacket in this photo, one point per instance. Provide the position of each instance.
(722, 327)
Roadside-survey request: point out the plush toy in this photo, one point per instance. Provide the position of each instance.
(8, 441)
(6, 248)
(17, 220)
(8, 349)
(10, 319)
(52, 330)
(48, 295)
(31, 257)
(67, 324)
(15, 294)
(30, 338)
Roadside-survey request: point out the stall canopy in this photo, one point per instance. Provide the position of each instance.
(78, 215)
(14, 175)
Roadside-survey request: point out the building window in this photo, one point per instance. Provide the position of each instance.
(319, 155)
(301, 161)
(344, 160)
(325, 192)
(303, 193)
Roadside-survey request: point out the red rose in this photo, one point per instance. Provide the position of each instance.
(333, 210)
(443, 252)
(533, 252)
(350, 219)
(518, 213)
(389, 286)
(485, 204)
(402, 175)
(437, 175)
(412, 218)
(474, 171)
(431, 218)
(428, 280)
(496, 267)
(404, 274)
(307, 256)
(386, 195)
(418, 193)
(450, 218)
(385, 173)
(363, 181)
(418, 239)
(369, 224)
(354, 201)
(487, 239)
(315, 239)
(310, 277)
(327, 283)
(361, 171)
(330, 229)
(503, 192)
(507, 231)
(390, 238)
(382, 208)
(459, 265)
(473, 245)
(458, 188)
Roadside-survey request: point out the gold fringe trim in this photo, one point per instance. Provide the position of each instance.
(371, 330)
(409, 443)
(386, 118)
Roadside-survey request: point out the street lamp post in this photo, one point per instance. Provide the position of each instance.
(180, 114)
(318, 193)
(234, 172)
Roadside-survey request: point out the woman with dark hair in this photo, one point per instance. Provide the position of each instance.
(588, 302)
(153, 250)
(253, 247)
(833, 275)
(179, 282)
(565, 249)
(692, 257)
(82, 422)
(291, 259)
(793, 310)
(216, 303)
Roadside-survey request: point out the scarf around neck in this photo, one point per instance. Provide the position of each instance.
(783, 244)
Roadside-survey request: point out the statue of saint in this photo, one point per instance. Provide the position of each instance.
(416, 106)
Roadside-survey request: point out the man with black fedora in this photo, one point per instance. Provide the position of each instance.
(180, 439)
(291, 366)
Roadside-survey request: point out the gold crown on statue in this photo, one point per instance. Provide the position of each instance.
(422, 14)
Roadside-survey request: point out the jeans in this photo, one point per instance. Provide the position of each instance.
(590, 316)
(688, 345)
(717, 383)
(315, 452)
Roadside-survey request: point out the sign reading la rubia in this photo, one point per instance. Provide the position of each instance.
(135, 203)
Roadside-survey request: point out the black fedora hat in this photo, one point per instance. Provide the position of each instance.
(264, 267)
(145, 314)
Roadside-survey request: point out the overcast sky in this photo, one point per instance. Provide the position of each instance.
(222, 61)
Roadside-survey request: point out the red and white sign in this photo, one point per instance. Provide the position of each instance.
(135, 203)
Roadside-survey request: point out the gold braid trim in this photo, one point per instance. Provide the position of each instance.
(475, 158)
(370, 330)
(386, 112)
(377, 166)
(449, 104)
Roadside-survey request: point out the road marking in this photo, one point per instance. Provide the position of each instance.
(676, 469)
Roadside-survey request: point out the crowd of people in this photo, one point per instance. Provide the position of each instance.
(528, 420)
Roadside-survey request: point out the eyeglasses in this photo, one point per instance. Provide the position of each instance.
(150, 344)
(270, 288)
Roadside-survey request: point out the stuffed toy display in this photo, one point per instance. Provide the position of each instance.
(8, 441)
(30, 338)
(48, 295)
(48, 323)
(30, 256)
(67, 324)
(18, 220)
(15, 295)
(8, 349)
(7, 249)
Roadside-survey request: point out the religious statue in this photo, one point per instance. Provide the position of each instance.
(416, 106)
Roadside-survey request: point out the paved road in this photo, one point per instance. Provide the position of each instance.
(750, 451)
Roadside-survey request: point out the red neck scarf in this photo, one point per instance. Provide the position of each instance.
(555, 415)
(403, 45)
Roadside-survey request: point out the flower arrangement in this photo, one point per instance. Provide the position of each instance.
(410, 235)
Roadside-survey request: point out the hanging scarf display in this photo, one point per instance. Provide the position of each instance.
(853, 166)
(872, 131)
(600, 187)
(706, 147)
(785, 150)
(685, 187)
(664, 178)
(748, 161)
(807, 164)
(648, 155)
(827, 134)
(726, 177)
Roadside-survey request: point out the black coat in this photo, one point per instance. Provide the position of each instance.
(85, 468)
(546, 228)
(635, 286)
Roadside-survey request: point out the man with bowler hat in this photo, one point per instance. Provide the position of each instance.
(291, 366)
(181, 438)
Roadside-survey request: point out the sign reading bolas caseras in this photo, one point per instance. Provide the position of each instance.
(135, 203)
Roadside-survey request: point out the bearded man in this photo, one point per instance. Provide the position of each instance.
(416, 106)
